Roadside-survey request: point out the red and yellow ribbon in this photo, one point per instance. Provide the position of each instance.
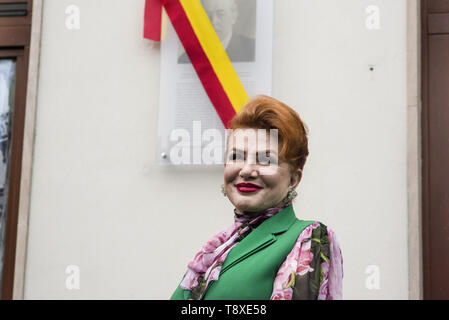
(202, 45)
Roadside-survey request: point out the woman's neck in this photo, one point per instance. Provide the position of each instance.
(283, 203)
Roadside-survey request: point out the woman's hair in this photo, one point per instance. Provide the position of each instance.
(263, 112)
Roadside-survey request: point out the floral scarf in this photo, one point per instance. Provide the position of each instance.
(207, 263)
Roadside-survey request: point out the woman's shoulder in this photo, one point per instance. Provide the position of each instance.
(318, 231)
(310, 225)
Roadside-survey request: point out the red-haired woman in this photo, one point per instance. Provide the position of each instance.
(268, 253)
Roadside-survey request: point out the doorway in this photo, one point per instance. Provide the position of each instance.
(15, 31)
(435, 147)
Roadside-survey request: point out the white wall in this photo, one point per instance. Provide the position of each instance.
(101, 202)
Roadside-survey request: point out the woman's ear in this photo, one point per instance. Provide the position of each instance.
(295, 178)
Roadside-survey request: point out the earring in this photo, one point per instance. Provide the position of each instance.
(291, 194)
(223, 190)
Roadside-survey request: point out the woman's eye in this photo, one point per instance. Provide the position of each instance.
(236, 156)
(266, 160)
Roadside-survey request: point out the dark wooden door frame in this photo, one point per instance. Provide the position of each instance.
(15, 34)
(21, 57)
(425, 148)
(435, 22)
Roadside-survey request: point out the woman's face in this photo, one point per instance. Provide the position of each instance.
(251, 183)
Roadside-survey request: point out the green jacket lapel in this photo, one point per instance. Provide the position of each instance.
(261, 237)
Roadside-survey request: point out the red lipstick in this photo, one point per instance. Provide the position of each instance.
(247, 187)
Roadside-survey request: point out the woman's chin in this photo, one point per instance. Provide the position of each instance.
(248, 207)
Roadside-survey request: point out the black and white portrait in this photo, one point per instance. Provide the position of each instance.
(234, 21)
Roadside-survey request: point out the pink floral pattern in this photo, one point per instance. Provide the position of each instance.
(313, 269)
(206, 264)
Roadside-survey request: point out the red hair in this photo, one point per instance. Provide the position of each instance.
(263, 112)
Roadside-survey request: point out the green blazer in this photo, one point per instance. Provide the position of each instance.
(251, 266)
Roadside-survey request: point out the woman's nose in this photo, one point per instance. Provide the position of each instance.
(248, 170)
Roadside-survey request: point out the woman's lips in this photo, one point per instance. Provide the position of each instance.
(247, 187)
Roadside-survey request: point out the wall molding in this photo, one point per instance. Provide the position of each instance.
(414, 179)
(27, 155)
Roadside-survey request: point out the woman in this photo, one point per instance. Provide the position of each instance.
(267, 253)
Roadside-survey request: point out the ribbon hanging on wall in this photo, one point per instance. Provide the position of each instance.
(203, 47)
